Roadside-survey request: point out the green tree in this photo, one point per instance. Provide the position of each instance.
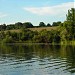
(59, 23)
(42, 24)
(71, 15)
(18, 25)
(70, 22)
(56, 23)
(48, 25)
(10, 26)
(3, 27)
(27, 25)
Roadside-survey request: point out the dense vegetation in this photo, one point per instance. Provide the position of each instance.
(64, 33)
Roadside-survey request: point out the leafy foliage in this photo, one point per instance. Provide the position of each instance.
(65, 32)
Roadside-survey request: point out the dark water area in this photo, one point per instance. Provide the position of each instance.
(37, 60)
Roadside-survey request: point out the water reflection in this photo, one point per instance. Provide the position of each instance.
(22, 59)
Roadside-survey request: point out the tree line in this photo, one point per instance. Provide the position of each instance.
(64, 33)
(20, 25)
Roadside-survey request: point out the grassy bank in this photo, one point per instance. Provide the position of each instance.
(44, 35)
(34, 29)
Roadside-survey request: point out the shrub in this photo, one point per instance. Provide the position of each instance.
(8, 39)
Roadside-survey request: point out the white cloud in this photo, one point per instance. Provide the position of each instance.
(51, 10)
(2, 15)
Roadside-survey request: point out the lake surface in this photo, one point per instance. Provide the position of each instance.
(37, 60)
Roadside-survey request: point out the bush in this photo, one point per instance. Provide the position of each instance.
(8, 39)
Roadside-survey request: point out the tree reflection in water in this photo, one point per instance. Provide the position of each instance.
(54, 57)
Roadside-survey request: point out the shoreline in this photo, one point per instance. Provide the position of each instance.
(31, 43)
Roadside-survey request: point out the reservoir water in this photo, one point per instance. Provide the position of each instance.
(38, 59)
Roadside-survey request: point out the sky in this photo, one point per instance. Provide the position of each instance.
(34, 11)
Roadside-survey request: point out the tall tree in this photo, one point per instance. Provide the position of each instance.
(70, 22)
(71, 15)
